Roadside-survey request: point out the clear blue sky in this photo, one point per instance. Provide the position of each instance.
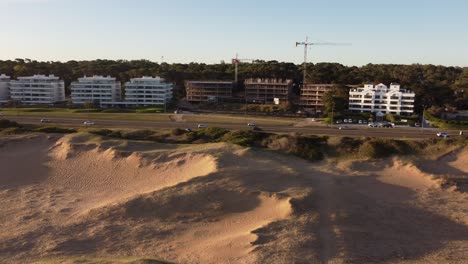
(380, 31)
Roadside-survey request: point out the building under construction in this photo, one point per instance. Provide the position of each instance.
(312, 96)
(208, 91)
(259, 90)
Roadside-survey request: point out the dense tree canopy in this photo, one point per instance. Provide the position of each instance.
(433, 85)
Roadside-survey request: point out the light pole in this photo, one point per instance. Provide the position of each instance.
(333, 109)
(423, 120)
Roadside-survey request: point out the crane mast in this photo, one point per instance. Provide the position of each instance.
(236, 62)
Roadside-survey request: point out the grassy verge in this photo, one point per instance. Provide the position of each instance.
(140, 114)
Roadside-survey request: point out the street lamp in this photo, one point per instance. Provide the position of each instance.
(423, 119)
(333, 108)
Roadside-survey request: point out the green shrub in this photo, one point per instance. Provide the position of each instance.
(348, 145)
(53, 129)
(178, 132)
(138, 134)
(5, 123)
(309, 147)
(12, 131)
(381, 148)
(244, 138)
(210, 134)
(106, 133)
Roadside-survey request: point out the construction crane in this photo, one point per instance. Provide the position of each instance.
(236, 62)
(306, 45)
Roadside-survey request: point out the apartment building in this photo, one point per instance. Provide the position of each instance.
(98, 90)
(208, 91)
(312, 95)
(380, 98)
(266, 90)
(147, 91)
(38, 89)
(4, 88)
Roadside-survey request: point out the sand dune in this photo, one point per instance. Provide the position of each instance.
(86, 199)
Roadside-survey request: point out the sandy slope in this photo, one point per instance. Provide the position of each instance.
(85, 199)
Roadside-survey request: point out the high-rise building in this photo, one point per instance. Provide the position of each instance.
(4, 88)
(264, 90)
(98, 90)
(147, 91)
(38, 89)
(380, 98)
(208, 91)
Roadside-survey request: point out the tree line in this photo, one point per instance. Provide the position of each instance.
(434, 85)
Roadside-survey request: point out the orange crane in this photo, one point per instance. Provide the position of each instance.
(236, 62)
(306, 45)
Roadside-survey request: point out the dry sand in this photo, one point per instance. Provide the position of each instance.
(85, 199)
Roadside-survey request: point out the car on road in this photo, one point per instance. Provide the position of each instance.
(252, 124)
(372, 124)
(256, 128)
(45, 120)
(344, 128)
(442, 134)
(202, 125)
(88, 123)
(188, 129)
(388, 125)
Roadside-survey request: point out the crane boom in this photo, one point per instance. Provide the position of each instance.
(306, 44)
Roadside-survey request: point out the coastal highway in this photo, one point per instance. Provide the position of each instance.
(280, 127)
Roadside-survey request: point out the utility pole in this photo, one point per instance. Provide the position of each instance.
(332, 115)
(423, 120)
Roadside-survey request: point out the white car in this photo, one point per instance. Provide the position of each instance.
(372, 124)
(202, 126)
(442, 134)
(88, 123)
(251, 124)
(44, 120)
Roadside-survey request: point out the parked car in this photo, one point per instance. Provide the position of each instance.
(388, 125)
(44, 120)
(442, 134)
(251, 124)
(88, 123)
(202, 125)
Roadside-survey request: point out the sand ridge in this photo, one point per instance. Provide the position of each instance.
(83, 198)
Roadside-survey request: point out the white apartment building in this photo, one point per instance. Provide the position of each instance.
(4, 88)
(38, 89)
(147, 91)
(380, 98)
(97, 89)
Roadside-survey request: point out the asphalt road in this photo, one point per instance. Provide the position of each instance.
(352, 130)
